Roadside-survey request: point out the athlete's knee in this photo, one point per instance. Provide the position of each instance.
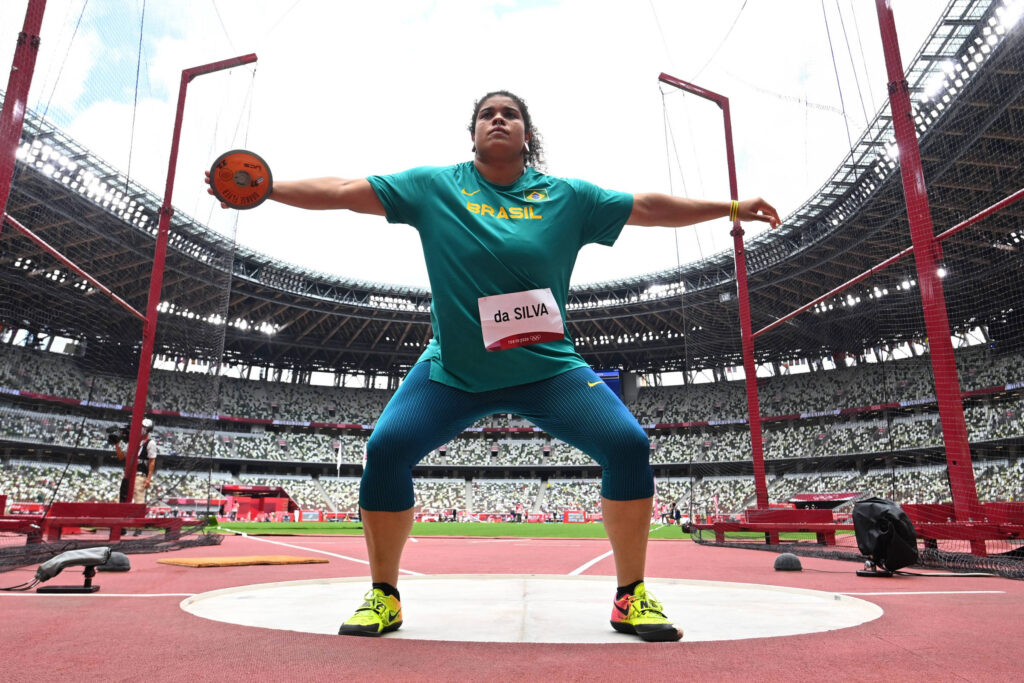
(639, 445)
(627, 473)
(393, 448)
(387, 475)
(385, 493)
(630, 449)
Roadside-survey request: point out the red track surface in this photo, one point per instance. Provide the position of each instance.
(939, 637)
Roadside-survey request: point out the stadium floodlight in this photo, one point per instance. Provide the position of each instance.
(1010, 13)
(941, 272)
(935, 85)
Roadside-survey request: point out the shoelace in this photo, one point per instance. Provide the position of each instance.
(374, 603)
(648, 605)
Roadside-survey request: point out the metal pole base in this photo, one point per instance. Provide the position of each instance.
(86, 587)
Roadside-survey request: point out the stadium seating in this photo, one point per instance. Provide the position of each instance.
(909, 381)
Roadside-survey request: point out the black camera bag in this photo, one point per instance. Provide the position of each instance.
(885, 533)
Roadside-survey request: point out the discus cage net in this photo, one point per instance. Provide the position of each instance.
(862, 391)
(76, 249)
(71, 339)
(846, 388)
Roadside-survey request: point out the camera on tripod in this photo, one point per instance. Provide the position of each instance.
(116, 435)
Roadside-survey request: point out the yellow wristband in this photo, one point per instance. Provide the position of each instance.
(734, 210)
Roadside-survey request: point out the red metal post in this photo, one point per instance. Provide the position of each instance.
(746, 336)
(159, 256)
(984, 213)
(877, 268)
(739, 253)
(12, 117)
(927, 257)
(45, 246)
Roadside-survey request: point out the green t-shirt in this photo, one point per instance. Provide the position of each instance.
(481, 239)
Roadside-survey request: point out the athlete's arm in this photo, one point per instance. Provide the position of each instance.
(654, 209)
(324, 193)
(329, 193)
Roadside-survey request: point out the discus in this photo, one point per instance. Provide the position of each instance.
(241, 179)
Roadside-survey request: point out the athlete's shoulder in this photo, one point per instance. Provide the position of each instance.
(588, 191)
(575, 183)
(433, 172)
(569, 187)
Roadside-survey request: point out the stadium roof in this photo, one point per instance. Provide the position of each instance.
(966, 84)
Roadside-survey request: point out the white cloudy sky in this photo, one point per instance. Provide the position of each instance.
(355, 88)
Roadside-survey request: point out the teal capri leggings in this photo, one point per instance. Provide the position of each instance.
(575, 406)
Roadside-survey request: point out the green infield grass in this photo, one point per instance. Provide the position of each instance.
(486, 529)
(483, 529)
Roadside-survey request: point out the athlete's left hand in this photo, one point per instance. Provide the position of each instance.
(759, 210)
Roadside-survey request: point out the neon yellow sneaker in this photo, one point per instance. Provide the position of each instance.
(642, 615)
(379, 614)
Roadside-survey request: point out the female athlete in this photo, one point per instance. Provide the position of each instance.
(500, 239)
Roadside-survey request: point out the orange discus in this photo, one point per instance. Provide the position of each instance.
(241, 179)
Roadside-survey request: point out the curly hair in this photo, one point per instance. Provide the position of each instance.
(534, 154)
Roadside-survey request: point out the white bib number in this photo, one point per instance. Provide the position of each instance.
(520, 319)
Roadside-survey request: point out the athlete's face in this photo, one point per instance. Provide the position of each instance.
(499, 129)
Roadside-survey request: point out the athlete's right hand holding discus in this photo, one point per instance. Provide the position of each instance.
(500, 238)
(321, 194)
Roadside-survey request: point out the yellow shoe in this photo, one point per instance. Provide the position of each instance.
(379, 614)
(642, 615)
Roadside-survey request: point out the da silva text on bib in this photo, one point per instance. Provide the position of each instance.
(520, 319)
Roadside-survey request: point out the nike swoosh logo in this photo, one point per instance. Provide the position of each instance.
(469, 194)
(593, 384)
(623, 612)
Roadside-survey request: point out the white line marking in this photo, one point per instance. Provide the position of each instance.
(929, 593)
(414, 540)
(312, 550)
(584, 567)
(103, 595)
